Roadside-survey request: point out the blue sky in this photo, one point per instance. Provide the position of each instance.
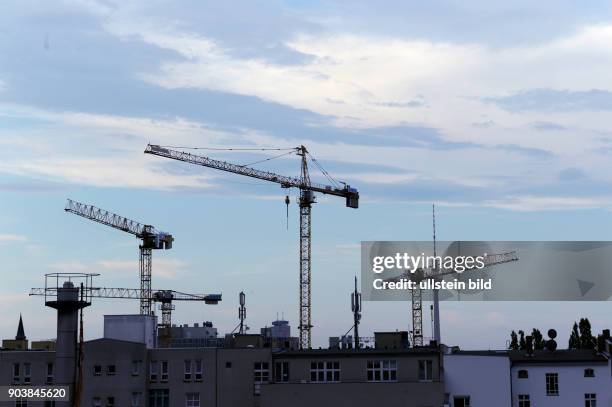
(497, 112)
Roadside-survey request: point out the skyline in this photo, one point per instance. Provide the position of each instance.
(498, 114)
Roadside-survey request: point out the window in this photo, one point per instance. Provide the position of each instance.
(97, 370)
(198, 370)
(159, 398)
(461, 401)
(16, 373)
(21, 403)
(49, 403)
(187, 370)
(50, 373)
(96, 402)
(589, 373)
(110, 402)
(281, 372)
(110, 370)
(163, 377)
(136, 399)
(261, 374)
(27, 373)
(192, 400)
(153, 371)
(552, 384)
(136, 367)
(228, 365)
(425, 370)
(590, 400)
(524, 400)
(523, 374)
(382, 370)
(323, 372)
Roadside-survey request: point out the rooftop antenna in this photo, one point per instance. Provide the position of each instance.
(242, 311)
(356, 308)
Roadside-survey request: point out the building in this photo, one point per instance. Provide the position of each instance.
(129, 373)
(561, 378)
(196, 336)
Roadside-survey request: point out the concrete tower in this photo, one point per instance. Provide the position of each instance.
(67, 303)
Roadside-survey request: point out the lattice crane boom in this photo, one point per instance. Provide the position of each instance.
(164, 297)
(307, 190)
(151, 239)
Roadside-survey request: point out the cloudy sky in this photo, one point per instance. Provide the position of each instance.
(498, 113)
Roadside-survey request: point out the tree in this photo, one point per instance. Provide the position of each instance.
(514, 345)
(538, 339)
(587, 340)
(574, 340)
(522, 343)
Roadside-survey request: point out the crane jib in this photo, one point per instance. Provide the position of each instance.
(351, 194)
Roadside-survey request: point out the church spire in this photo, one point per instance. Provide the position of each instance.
(20, 332)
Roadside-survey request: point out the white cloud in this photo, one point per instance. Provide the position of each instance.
(547, 203)
(6, 238)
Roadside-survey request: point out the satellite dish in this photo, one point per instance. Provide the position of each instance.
(552, 334)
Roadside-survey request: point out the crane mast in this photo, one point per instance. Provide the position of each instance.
(307, 198)
(151, 239)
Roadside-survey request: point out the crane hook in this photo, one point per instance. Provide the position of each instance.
(287, 201)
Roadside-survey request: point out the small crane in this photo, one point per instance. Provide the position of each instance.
(151, 239)
(163, 297)
(306, 199)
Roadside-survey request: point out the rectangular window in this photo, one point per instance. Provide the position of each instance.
(27, 373)
(153, 366)
(589, 373)
(198, 370)
(163, 377)
(97, 370)
(21, 403)
(524, 400)
(96, 402)
(590, 400)
(136, 367)
(111, 370)
(425, 370)
(281, 372)
(50, 373)
(382, 370)
(192, 400)
(187, 370)
(110, 402)
(159, 398)
(461, 401)
(136, 399)
(324, 372)
(552, 384)
(261, 374)
(49, 403)
(16, 373)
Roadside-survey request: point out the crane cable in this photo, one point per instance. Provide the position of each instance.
(325, 173)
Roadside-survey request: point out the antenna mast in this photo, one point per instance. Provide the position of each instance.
(436, 298)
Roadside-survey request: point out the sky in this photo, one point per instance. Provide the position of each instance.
(497, 112)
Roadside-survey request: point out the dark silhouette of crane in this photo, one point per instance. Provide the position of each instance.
(307, 198)
(150, 238)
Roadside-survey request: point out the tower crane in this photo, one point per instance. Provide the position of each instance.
(307, 198)
(151, 239)
(417, 293)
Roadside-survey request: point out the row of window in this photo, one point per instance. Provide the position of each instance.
(24, 375)
(192, 370)
(524, 400)
(524, 374)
